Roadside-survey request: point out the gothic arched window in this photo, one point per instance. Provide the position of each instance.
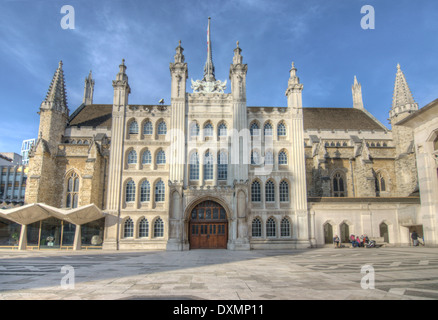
(270, 191)
(380, 183)
(158, 228)
(146, 158)
(255, 157)
(208, 166)
(145, 191)
(132, 157)
(128, 228)
(285, 227)
(161, 157)
(162, 128)
(255, 192)
(267, 129)
(222, 130)
(338, 185)
(269, 158)
(282, 158)
(254, 129)
(284, 191)
(194, 166)
(194, 130)
(281, 129)
(143, 228)
(159, 191)
(133, 127)
(72, 196)
(208, 130)
(130, 191)
(148, 128)
(270, 228)
(222, 166)
(256, 228)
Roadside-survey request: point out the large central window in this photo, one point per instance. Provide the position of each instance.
(194, 166)
(208, 166)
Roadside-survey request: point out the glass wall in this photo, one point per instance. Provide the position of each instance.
(92, 233)
(33, 234)
(68, 234)
(51, 233)
(9, 233)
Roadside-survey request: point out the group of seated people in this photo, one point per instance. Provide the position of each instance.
(355, 241)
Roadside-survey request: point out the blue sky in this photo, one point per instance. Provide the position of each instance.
(323, 37)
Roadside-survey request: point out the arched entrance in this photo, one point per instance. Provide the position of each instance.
(328, 233)
(384, 232)
(345, 233)
(208, 228)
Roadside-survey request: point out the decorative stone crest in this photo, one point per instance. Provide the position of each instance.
(202, 86)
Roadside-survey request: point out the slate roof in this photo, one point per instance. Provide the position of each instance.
(93, 115)
(338, 119)
(99, 115)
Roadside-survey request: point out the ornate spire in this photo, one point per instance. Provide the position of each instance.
(122, 78)
(88, 90)
(209, 67)
(209, 83)
(294, 91)
(356, 90)
(56, 98)
(294, 81)
(179, 56)
(402, 100)
(122, 72)
(237, 59)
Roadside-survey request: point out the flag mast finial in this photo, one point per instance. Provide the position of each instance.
(209, 67)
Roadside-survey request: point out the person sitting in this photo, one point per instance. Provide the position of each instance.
(366, 240)
(359, 243)
(353, 241)
(414, 238)
(336, 241)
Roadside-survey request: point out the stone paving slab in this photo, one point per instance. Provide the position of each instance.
(321, 274)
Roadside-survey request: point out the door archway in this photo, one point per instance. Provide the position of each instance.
(328, 233)
(208, 227)
(345, 232)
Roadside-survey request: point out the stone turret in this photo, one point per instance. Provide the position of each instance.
(120, 103)
(53, 121)
(299, 193)
(54, 111)
(238, 72)
(403, 104)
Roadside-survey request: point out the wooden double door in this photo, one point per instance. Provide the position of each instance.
(208, 226)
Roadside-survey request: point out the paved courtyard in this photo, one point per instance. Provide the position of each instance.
(326, 273)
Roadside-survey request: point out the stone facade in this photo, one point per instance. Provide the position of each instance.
(425, 125)
(281, 174)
